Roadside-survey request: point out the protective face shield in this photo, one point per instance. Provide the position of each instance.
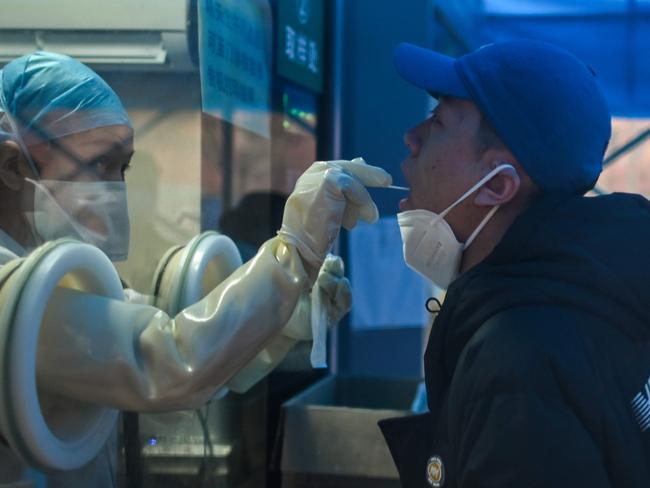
(430, 245)
(104, 201)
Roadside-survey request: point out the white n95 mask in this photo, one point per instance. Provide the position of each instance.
(430, 246)
(62, 216)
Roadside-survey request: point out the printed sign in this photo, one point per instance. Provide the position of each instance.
(300, 42)
(234, 52)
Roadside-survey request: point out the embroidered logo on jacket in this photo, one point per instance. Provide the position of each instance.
(435, 472)
(641, 407)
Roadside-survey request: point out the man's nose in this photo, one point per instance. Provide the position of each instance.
(412, 141)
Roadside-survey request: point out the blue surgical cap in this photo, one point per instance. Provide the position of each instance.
(49, 95)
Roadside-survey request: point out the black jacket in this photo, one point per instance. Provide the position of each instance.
(538, 365)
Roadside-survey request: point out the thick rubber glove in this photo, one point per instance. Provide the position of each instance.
(336, 293)
(135, 357)
(329, 302)
(332, 285)
(329, 194)
(132, 296)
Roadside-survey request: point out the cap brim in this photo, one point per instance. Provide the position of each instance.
(429, 70)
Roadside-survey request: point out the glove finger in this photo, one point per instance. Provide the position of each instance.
(340, 182)
(328, 284)
(350, 216)
(342, 301)
(367, 174)
(354, 192)
(369, 213)
(333, 264)
(319, 167)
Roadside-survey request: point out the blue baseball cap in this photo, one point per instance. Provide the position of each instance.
(544, 103)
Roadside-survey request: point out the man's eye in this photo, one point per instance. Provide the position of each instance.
(434, 117)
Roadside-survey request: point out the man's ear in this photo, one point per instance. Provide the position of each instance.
(501, 188)
(12, 161)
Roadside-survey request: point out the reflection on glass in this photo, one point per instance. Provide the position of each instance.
(254, 220)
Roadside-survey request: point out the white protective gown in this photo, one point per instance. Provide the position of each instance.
(135, 357)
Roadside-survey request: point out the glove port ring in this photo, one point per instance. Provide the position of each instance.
(79, 430)
(187, 273)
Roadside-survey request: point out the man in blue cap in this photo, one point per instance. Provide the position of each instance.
(538, 362)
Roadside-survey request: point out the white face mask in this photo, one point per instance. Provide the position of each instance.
(61, 216)
(430, 246)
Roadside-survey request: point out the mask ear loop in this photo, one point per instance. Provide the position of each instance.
(15, 132)
(478, 185)
(492, 211)
(483, 223)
